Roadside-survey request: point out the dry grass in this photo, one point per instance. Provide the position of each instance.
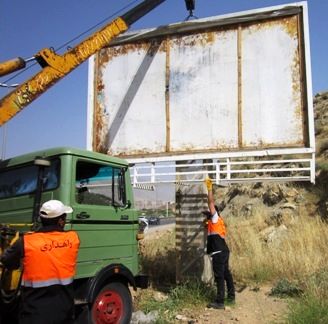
(300, 252)
(296, 262)
(158, 258)
(321, 145)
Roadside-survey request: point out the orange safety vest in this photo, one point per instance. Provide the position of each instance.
(49, 258)
(217, 228)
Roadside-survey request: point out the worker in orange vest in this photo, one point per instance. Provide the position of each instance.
(218, 249)
(49, 261)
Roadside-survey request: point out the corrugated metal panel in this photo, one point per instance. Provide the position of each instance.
(130, 97)
(271, 83)
(203, 92)
(236, 84)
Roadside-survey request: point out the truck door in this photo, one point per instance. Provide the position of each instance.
(102, 216)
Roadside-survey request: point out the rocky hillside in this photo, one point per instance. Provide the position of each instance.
(321, 128)
(282, 202)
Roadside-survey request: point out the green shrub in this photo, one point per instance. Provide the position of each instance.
(308, 310)
(285, 288)
(192, 293)
(182, 296)
(312, 307)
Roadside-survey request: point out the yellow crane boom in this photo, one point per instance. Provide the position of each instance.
(12, 65)
(55, 67)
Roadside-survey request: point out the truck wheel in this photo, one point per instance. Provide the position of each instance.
(112, 305)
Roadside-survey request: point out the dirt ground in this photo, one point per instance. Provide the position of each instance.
(253, 306)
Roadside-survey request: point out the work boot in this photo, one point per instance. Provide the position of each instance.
(216, 305)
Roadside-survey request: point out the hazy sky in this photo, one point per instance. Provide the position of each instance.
(58, 117)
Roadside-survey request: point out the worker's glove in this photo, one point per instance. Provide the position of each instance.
(209, 184)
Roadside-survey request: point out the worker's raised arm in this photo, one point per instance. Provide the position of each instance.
(210, 198)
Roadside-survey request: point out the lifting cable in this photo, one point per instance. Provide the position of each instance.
(4, 84)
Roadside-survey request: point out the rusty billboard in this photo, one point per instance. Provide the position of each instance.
(234, 83)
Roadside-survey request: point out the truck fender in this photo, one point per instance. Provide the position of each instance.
(108, 274)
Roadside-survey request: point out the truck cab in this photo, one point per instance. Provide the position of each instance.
(98, 188)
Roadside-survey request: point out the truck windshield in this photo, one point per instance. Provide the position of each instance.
(22, 180)
(99, 184)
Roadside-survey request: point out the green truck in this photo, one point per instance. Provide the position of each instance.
(98, 188)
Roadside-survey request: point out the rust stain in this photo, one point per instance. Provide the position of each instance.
(107, 54)
(200, 39)
(100, 85)
(296, 85)
(97, 122)
(288, 24)
(103, 57)
(100, 122)
(298, 82)
(126, 152)
(146, 46)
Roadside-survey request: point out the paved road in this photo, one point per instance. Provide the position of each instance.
(165, 224)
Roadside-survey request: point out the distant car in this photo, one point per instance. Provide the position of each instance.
(153, 220)
(143, 224)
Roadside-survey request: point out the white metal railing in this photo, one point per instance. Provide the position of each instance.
(224, 171)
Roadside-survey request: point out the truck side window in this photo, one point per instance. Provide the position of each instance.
(23, 179)
(98, 184)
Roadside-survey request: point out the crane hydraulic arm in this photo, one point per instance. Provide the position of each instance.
(55, 67)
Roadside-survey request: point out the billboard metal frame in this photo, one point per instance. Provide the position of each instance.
(298, 162)
(227, 170)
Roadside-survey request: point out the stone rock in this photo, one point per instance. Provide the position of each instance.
(275, 218)
(181, 318)
(291, 193)
(159, 296)
(273, 196)
(265, 233)
(276, 236)
(273, 234)
(288, 205)
(140, 317)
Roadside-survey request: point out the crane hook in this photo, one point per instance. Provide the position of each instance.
(190, 5)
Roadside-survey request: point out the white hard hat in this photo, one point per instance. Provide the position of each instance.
(54, 208)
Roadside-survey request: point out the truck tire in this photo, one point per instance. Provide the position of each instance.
(113, 305)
